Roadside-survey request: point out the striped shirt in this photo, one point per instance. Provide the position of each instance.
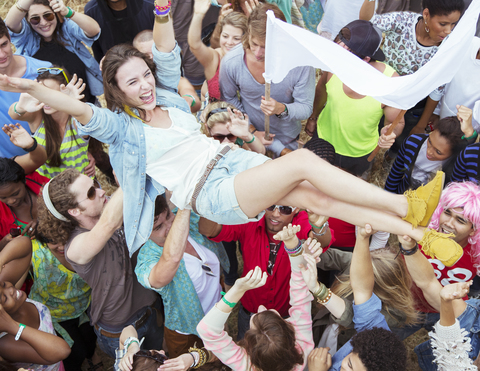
(73, 151)
(467, 166)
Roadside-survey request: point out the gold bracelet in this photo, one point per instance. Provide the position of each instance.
(20, 8)
(326, 299)
(320, 288)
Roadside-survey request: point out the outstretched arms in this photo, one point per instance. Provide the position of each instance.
(361, 270)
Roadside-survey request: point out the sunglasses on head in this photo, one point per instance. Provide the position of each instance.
(284, 210)
(151, 354)
(221, 138)
(50, 16)
(53, 71)
(92, 191)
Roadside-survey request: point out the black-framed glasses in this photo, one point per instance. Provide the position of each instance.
(232, 138)
(284, 210)
(50, 16)
(151, 354)
(92, 191)
(53, 71)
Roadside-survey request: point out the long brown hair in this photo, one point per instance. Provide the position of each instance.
(392, 284)
(115, 58)
(57, 35)
(270, 343)
(53, 137)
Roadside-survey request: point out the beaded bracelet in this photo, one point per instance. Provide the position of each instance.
(325, 300)
(20, 330)
(162, 10)
(296, 250)
(230, 304)
(202, 357)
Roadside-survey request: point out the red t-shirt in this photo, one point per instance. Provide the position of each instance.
(34, 182)
(462, 271)
(344, 233)
(256, 252)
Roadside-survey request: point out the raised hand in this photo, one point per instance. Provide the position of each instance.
(15, 84)
(201, 6)
(319, 359)
(226, 9)
(18, 135)
(464, 115)
(58, 6)
(74, 88)
(238, 124)
(455, 290)
(27, 103)
(253, 280)
(250, 5)
(312, 247)
(365, 232)
(318, 220)
(287, 233)
(309, 272)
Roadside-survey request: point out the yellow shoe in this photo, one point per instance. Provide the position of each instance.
(424, 200)
(441, 246)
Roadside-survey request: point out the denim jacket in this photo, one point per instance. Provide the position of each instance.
(27, 42)
(125, 134)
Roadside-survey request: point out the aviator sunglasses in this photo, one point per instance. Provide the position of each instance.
(221, 138)
(36, 18)
(92, 191)
(284, 210)
(53, 71)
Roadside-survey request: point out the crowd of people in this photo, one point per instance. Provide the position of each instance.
(204, 161)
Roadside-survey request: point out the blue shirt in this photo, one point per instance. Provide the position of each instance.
(27, 42)
(183, 310)
(7, 148)
(125, 134)
(365, 316)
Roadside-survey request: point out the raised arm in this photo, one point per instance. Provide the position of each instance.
(448, 296)
(88, 25)
(17, 12)
(361, 270)
(87, 245)
(163, 34)
(367, 10)
(36, 155)
(27, 109)
(33, 346)
(166, 268)
(208, 57)
(15, 259)
(208, 228)
(239, 126)
(53, 98)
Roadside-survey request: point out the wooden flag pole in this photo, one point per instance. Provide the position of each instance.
(267, 118)
(389, 131)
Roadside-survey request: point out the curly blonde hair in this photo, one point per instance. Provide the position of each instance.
(392, 284)
(56, 230)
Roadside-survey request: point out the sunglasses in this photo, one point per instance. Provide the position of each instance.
(284, 210)
(92, 191)
(36, 18)
(151, 354)
(208, 270)
(53, 71)
(221, 138)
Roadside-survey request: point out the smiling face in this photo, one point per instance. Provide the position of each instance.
(220, 130)
(13, 194)
(440, 26)
(87, 208)
(352, 362)
(57, 248)
(230, 37)
(438, 147)
(275, 221)
(11, 298)
(453, 221)
(45, 28)
(136, 81)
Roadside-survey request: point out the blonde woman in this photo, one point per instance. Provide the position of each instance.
(219, 126)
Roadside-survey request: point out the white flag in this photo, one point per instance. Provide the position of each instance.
(289, 46)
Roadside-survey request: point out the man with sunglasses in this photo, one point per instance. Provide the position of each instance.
(14, 66)
(258, 248)
(95, 246)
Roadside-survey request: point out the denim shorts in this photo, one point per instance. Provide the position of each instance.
(217, 200)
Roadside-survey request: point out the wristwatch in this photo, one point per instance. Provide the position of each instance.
(283, 114)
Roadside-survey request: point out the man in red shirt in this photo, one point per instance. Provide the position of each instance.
(260, 249)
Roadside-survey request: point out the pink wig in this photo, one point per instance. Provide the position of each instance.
(465, 195)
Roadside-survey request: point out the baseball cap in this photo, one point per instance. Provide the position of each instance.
(365, 39)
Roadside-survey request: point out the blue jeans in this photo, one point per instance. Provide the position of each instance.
(243, 322)
(470, 321)
(153, 334)
(429, 319)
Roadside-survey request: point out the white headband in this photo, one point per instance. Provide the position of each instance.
(49, 205)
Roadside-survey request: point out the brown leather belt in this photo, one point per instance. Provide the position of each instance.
(205, 175)
(137, 324)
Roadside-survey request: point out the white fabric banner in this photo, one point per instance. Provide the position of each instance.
(289, 46)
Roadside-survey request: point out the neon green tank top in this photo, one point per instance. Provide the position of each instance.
(350, 125)
(73, 152)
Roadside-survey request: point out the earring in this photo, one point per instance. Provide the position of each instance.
(426, 27)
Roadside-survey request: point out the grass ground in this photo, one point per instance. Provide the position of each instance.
(377, 176)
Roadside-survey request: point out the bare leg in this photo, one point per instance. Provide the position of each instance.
(264, 185)
(306, 196)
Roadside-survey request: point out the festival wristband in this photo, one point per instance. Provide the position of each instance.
(19, 332)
